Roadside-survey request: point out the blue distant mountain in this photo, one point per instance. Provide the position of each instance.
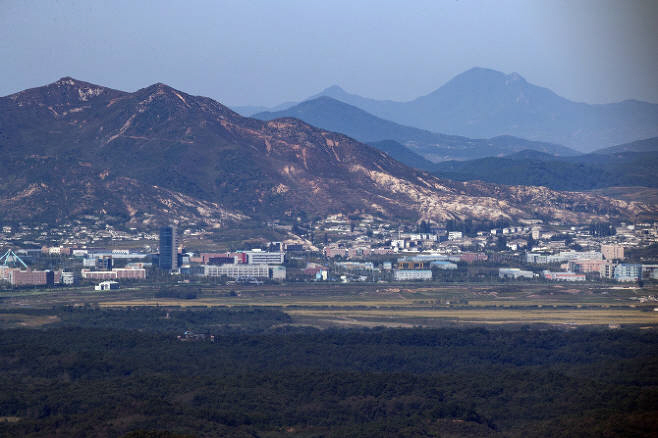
(483, 103)
(646, 145)
(329, 113)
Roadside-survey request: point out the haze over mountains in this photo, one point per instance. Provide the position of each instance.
(601, 169)
(329, 113)
(73, 148)
(484, 103)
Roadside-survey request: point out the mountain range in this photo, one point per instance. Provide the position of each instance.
(73, 148)
(484, 103)
(631, 164)
(334, 115)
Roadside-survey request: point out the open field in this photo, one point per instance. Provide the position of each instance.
(344, 305)
(567, 317)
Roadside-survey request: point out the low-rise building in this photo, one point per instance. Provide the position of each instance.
(412, 274)
(563, 276)
(257, 257)
(586, 266)
(650, 272)
(413, 264)
(277, 273)
(333, 251)
(536, 258)
(355, 266)
(246, 271)
(455, 235)
(115, 274)
(67, 278)
(470, 257)
(514, 273)
(443, 264)
(107, 285)
(628, 272)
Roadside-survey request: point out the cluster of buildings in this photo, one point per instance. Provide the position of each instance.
(15, 271)
(607, 263)
(253, 265)
(418, 267)
(340, 248)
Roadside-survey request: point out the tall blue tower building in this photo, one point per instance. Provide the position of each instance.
(168, 250)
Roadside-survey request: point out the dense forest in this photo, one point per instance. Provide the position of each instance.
(125, 373)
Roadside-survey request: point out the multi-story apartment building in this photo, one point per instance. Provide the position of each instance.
(612, 252)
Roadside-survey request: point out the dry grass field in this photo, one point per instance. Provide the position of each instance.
(404, 305)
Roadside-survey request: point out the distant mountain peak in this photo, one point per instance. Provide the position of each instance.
(480, 72)
(66, 80)
(69, 82)
(334, 89)
(159, 87)
(64, 91)
(515, 77)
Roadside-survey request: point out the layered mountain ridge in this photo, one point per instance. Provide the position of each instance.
(632, 164)
(74, 148)
(484, 103)
(328, 113)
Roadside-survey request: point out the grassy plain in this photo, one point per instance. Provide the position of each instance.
(350, 305)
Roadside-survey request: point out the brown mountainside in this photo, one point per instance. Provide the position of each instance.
(74, 148)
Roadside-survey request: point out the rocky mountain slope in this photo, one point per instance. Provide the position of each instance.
(72, 148)
(334, 115)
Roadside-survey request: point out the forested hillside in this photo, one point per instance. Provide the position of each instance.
(75, 380)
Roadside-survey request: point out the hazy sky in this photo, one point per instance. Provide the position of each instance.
(266, 52)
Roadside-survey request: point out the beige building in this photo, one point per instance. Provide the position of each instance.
(612, 252)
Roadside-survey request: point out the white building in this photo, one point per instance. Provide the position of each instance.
(412, 274)
(115, 274)
(563, 276)
(242, 271)
(107, 285)
(455, 235)
(514, 273)
(278, 273)
(67, 278)
(257, 257)
(628, 272)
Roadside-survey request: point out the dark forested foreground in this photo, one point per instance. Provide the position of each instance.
(121, 373)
